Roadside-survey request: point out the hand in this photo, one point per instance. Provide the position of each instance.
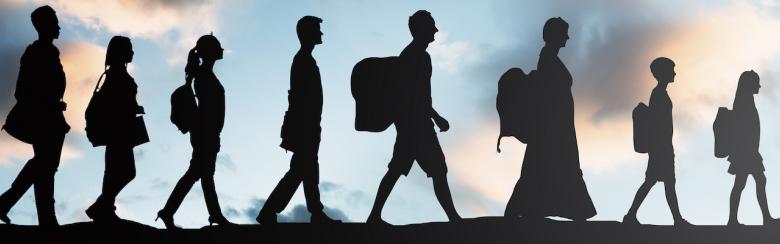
(442, 123)
(63, 106)
(140, 110)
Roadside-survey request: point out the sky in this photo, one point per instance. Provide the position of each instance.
(612, 44)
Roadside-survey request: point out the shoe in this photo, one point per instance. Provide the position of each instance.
(51, 223)
(266, 219)
(5, 219)
(630, 220)
(456, 219)
(682, 223)
(734, 223)
(220, 220)
(771, 222)
(376, 221)
(323, 219)
(102, 215)
(167, 220)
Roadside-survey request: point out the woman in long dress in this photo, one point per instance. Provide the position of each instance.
(551, 182)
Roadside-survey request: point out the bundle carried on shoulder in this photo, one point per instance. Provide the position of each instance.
(517, 104)
(183, 107)
(723, 130)
(96, 117)
(642, 117)
(375, 89)
(19, 124)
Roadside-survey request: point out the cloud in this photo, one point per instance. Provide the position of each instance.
(298, 213)
(226, 161)
(449, 55)
(83, 64)
(336, 192)
(609, 53)
(609, 56)
(175, 24)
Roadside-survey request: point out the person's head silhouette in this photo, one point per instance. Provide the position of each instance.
(44, 19)
(555, 32)
(119, 51)
(308, 29)
(422, 26)
(206, 48)
(663, 70)
(748, 83)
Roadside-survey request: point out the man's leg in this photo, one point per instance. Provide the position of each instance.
(20, 185)
(281, 194)
(49, 152)
(442, 190)
(309, 170)
(385, 187)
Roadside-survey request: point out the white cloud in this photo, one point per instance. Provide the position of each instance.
(174, 24)
(451, 55)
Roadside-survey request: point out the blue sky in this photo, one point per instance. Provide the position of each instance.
(612, 45)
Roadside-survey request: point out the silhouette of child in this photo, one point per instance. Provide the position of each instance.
(660, 165)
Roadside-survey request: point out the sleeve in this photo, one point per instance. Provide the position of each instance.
(22, 91)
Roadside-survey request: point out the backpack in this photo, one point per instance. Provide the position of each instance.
(641, 117)
(722, 129)
(517, 96)
(183, 107)
(374, 88)
(95, 116)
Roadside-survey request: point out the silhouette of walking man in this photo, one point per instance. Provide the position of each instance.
(118, 95)
(660, 165)
(38, 116)
(204, 134)
(416, 138)
(301, 130)
(744, 156)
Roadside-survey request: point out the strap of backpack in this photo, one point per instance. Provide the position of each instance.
(98, 82)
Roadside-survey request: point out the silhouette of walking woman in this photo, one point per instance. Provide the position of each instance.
(204, 135)
(744, 156)
(37, 118)
(551, 182)
(118, 97)
(416, 138)
(301, 130)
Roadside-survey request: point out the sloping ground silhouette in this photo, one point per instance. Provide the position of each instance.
(480, 230)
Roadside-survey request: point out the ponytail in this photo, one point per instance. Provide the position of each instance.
(193, 63)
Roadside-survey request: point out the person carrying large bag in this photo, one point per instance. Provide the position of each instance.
(113, 121)
(37, 118)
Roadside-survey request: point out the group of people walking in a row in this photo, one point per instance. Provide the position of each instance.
(551, 183)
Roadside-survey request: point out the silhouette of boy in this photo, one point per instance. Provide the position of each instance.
(416, 138)
(301, 130)
(39, 90)
(660, 165)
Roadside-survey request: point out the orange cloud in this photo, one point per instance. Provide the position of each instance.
(710, 49)
(83, 64)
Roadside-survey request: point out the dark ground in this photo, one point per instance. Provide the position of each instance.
(480, 230)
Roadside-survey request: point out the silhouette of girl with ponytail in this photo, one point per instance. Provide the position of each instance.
(118, 97)
(204, 134)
